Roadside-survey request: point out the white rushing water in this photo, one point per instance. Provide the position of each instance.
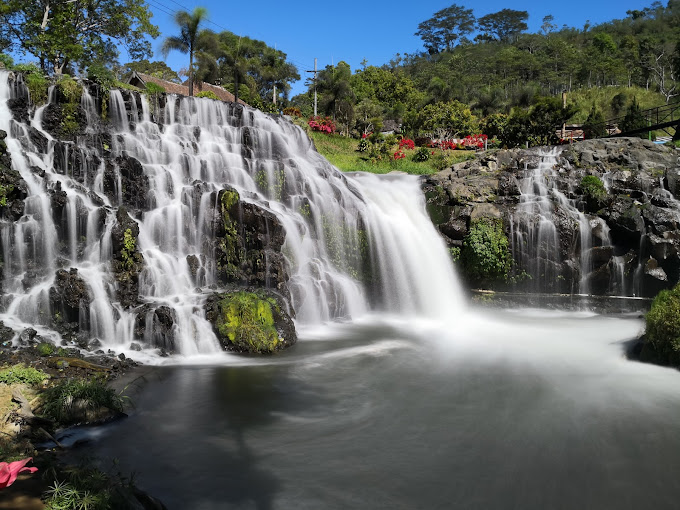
(353, 243)
(535, 236)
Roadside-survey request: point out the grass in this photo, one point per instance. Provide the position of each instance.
(342, 152)
(602, 97)
(65, 402)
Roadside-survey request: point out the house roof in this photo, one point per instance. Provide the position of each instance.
(182, 90)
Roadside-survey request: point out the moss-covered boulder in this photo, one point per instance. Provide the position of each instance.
(252, 322)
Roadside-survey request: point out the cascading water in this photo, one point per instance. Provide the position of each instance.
(346, 237)
(538, 244)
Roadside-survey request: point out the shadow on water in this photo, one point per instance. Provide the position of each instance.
(185, 463)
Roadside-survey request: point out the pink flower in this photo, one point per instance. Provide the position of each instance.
(9, 472)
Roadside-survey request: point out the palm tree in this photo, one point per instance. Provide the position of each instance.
(187, 41)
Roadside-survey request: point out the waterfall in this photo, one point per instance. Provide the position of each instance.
(353, 243)
(548, 228)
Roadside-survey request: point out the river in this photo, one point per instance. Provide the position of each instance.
(511, 409)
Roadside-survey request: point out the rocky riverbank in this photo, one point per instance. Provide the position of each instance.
(30, 378)
(599, 216)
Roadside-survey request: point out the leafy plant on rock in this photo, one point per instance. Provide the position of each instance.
(485, 253)
(21, 374)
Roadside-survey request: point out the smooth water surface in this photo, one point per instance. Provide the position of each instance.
(512, 409)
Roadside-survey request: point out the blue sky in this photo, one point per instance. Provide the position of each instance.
(355, 30)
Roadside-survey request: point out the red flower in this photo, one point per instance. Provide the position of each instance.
(407, 143)
(9, 472)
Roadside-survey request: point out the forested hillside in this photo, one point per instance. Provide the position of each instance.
(492, 65)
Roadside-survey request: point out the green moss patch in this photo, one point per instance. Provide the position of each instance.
(246, 321)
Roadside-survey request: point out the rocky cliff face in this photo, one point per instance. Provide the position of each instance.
(565, 234)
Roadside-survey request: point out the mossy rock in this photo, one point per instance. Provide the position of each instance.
(250, 322)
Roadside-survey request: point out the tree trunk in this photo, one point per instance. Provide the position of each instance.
(191, 72)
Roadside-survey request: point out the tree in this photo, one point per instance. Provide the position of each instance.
(337, 97)
(248, 66)
(441, 31)
(157, 68)
(595, 125)
(188, 40)
(660, 58)
(634, 120)
(504, 25)
(548, 26)
(76, 32)
(447, 120)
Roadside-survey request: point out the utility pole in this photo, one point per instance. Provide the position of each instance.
(274, 98)
(314, 81)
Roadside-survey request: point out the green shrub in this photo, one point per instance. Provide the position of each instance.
(422, 154)
(663, 322)
(595, 125)
(209, 94)
(102, 75)
(81, 487)
(634, 120)
(65, 402)
(70, 89)
(592, 187)
(6, 60)
(21, 374)
(38, 84)
(4, 191)
(485, 254)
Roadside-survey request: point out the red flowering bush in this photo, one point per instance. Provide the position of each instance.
(407, 143)
(474, 141)
(322, 124)
(399, 154)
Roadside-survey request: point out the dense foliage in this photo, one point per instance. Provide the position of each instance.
(485, 254)
(592, 187)
(510, 80)
(75, 33)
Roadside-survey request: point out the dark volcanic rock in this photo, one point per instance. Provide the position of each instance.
(248, 241)
(156, 327)
(134, 185)
(70, 302)
(624, 217)
(127, 261)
